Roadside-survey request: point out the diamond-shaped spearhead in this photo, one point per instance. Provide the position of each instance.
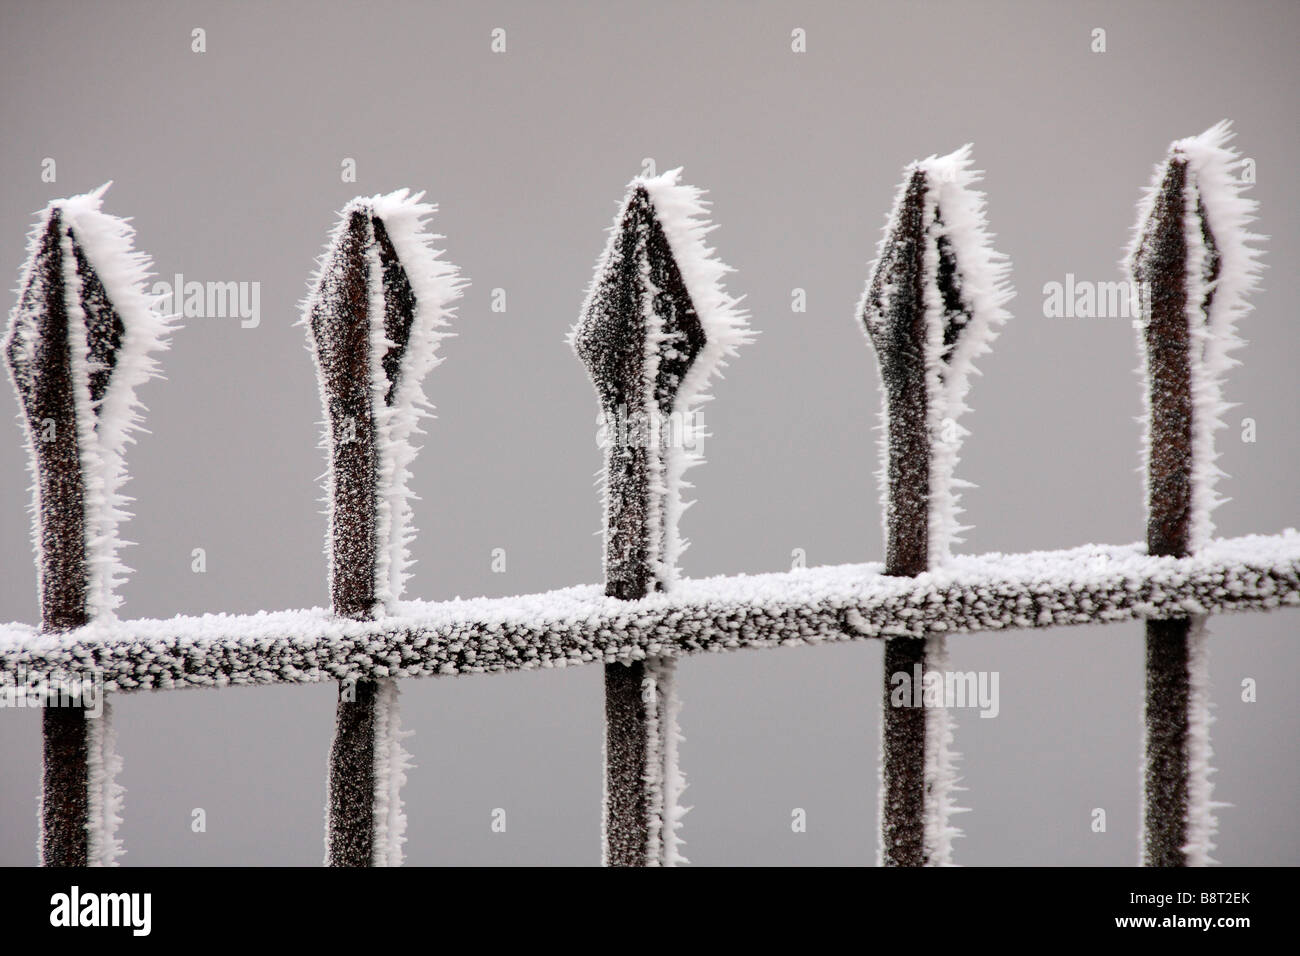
(639, 334)
(649, 345)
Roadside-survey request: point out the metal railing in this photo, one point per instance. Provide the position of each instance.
(656, 325)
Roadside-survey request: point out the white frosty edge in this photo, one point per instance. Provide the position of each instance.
(683, 215)
(436, 284)
(940, 766)
(391, 763)
(674, 775)
(104, 793)
(984, 279)
(664, 732)
(653, 677)
(1201, 822)
(1212, 167)
(378, 344)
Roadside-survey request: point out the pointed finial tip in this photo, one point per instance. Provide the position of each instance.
(669, 177)
(953, 167)
(1217, 136)
(398, 197)
(91, 200)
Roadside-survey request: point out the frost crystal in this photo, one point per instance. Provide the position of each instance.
(104, 805)
(391, 763)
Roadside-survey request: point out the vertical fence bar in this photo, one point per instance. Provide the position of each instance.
(656, 325)
(1169, 505)
(378, 300)
(620, 349)
(1191, 268)
(931, 306)
(41, 361)
(901, 348)
(340, 326)
(77, 347)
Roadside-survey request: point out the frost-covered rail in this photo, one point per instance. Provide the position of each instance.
(580, 625)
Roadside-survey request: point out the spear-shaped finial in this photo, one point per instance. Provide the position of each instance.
(932, 305)
(78, 345)
(374, 317)
(1192, 259)
(655, 328)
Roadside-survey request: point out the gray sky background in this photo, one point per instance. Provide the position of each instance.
(229, 163)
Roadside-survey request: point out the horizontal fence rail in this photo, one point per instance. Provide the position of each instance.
(580, 625)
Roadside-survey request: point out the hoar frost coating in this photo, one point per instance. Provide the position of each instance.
(104, 792)
(1092, 584)
(391, 764)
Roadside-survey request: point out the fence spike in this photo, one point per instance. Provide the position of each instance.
(932, 305)
(1192, 261)
(374, 317)
(78, 345)
(656, 326)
